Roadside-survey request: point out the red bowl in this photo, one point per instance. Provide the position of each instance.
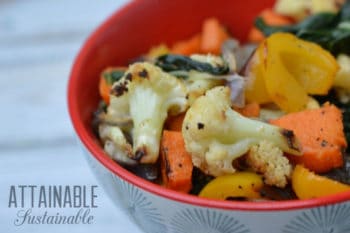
(132, 31)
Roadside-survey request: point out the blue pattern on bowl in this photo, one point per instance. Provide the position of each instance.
(326, 219)
(141, 209)
(205, 221)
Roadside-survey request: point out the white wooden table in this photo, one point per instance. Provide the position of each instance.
(38, 42)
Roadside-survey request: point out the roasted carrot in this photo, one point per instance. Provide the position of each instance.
(187, 47)
(107, 78)
(249, 110)
(104, 89)
(213, 35)
(271, 18)
(174, 123)
(320, 133)
(176, 163)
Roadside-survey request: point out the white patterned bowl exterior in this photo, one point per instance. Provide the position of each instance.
(156, 214)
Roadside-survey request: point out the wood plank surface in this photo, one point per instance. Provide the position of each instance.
(38, 42)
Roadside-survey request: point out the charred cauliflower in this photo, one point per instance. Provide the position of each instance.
(300, 9)
(198, 83)
(145, 95)
(115, 144)
(268, 159)
(215, 134)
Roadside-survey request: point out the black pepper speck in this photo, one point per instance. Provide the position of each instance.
(200, 125)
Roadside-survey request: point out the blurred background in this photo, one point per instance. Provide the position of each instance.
(39, 40)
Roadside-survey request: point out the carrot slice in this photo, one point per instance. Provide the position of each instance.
(271, 18)
(249, 110)
(176, 163)
(213, 35)
(174, 123)
(320, 133)
(107, 78)
(187, 47)
(104, 89)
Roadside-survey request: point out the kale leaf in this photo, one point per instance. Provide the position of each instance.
(171, 63)
(329, 30)
(113, 75)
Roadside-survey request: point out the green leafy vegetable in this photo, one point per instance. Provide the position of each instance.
(329, 30)
(171, 63)
(113, 76)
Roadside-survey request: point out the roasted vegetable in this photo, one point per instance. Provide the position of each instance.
(299, 9)
(332, 98)
(240, 185)
(320, 132)
(108, 77)
(270, 17)
(116, 144)
(209, 40)
(174, 123)
(198, 80)
(215, 134)
(213, 36)
(188, 46)
(249, 110)
(176, 164)
(290, 69)
(255, 90)
(182, 63)
(197, 83)
(342, 79)
(330, 30)
(267, 159)
(307, 184)
(146, 95)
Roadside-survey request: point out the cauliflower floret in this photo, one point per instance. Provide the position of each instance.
(215, 134)
(146, 95)
(300, 9)
(268, 159)
(115, 144)
(325, 6)
(342, 79)
(198, 83)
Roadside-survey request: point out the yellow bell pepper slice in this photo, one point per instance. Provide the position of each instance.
(291, 69)
(307, 184)
(311, 65)
(237, 185)
(255, 89)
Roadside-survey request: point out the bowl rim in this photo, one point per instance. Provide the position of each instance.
(98, 153)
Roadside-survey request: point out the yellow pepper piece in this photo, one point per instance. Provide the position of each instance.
(256, 89)
(291, 69)
(237, 185)
(157, 51)
(312, 66)
(307, 184)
